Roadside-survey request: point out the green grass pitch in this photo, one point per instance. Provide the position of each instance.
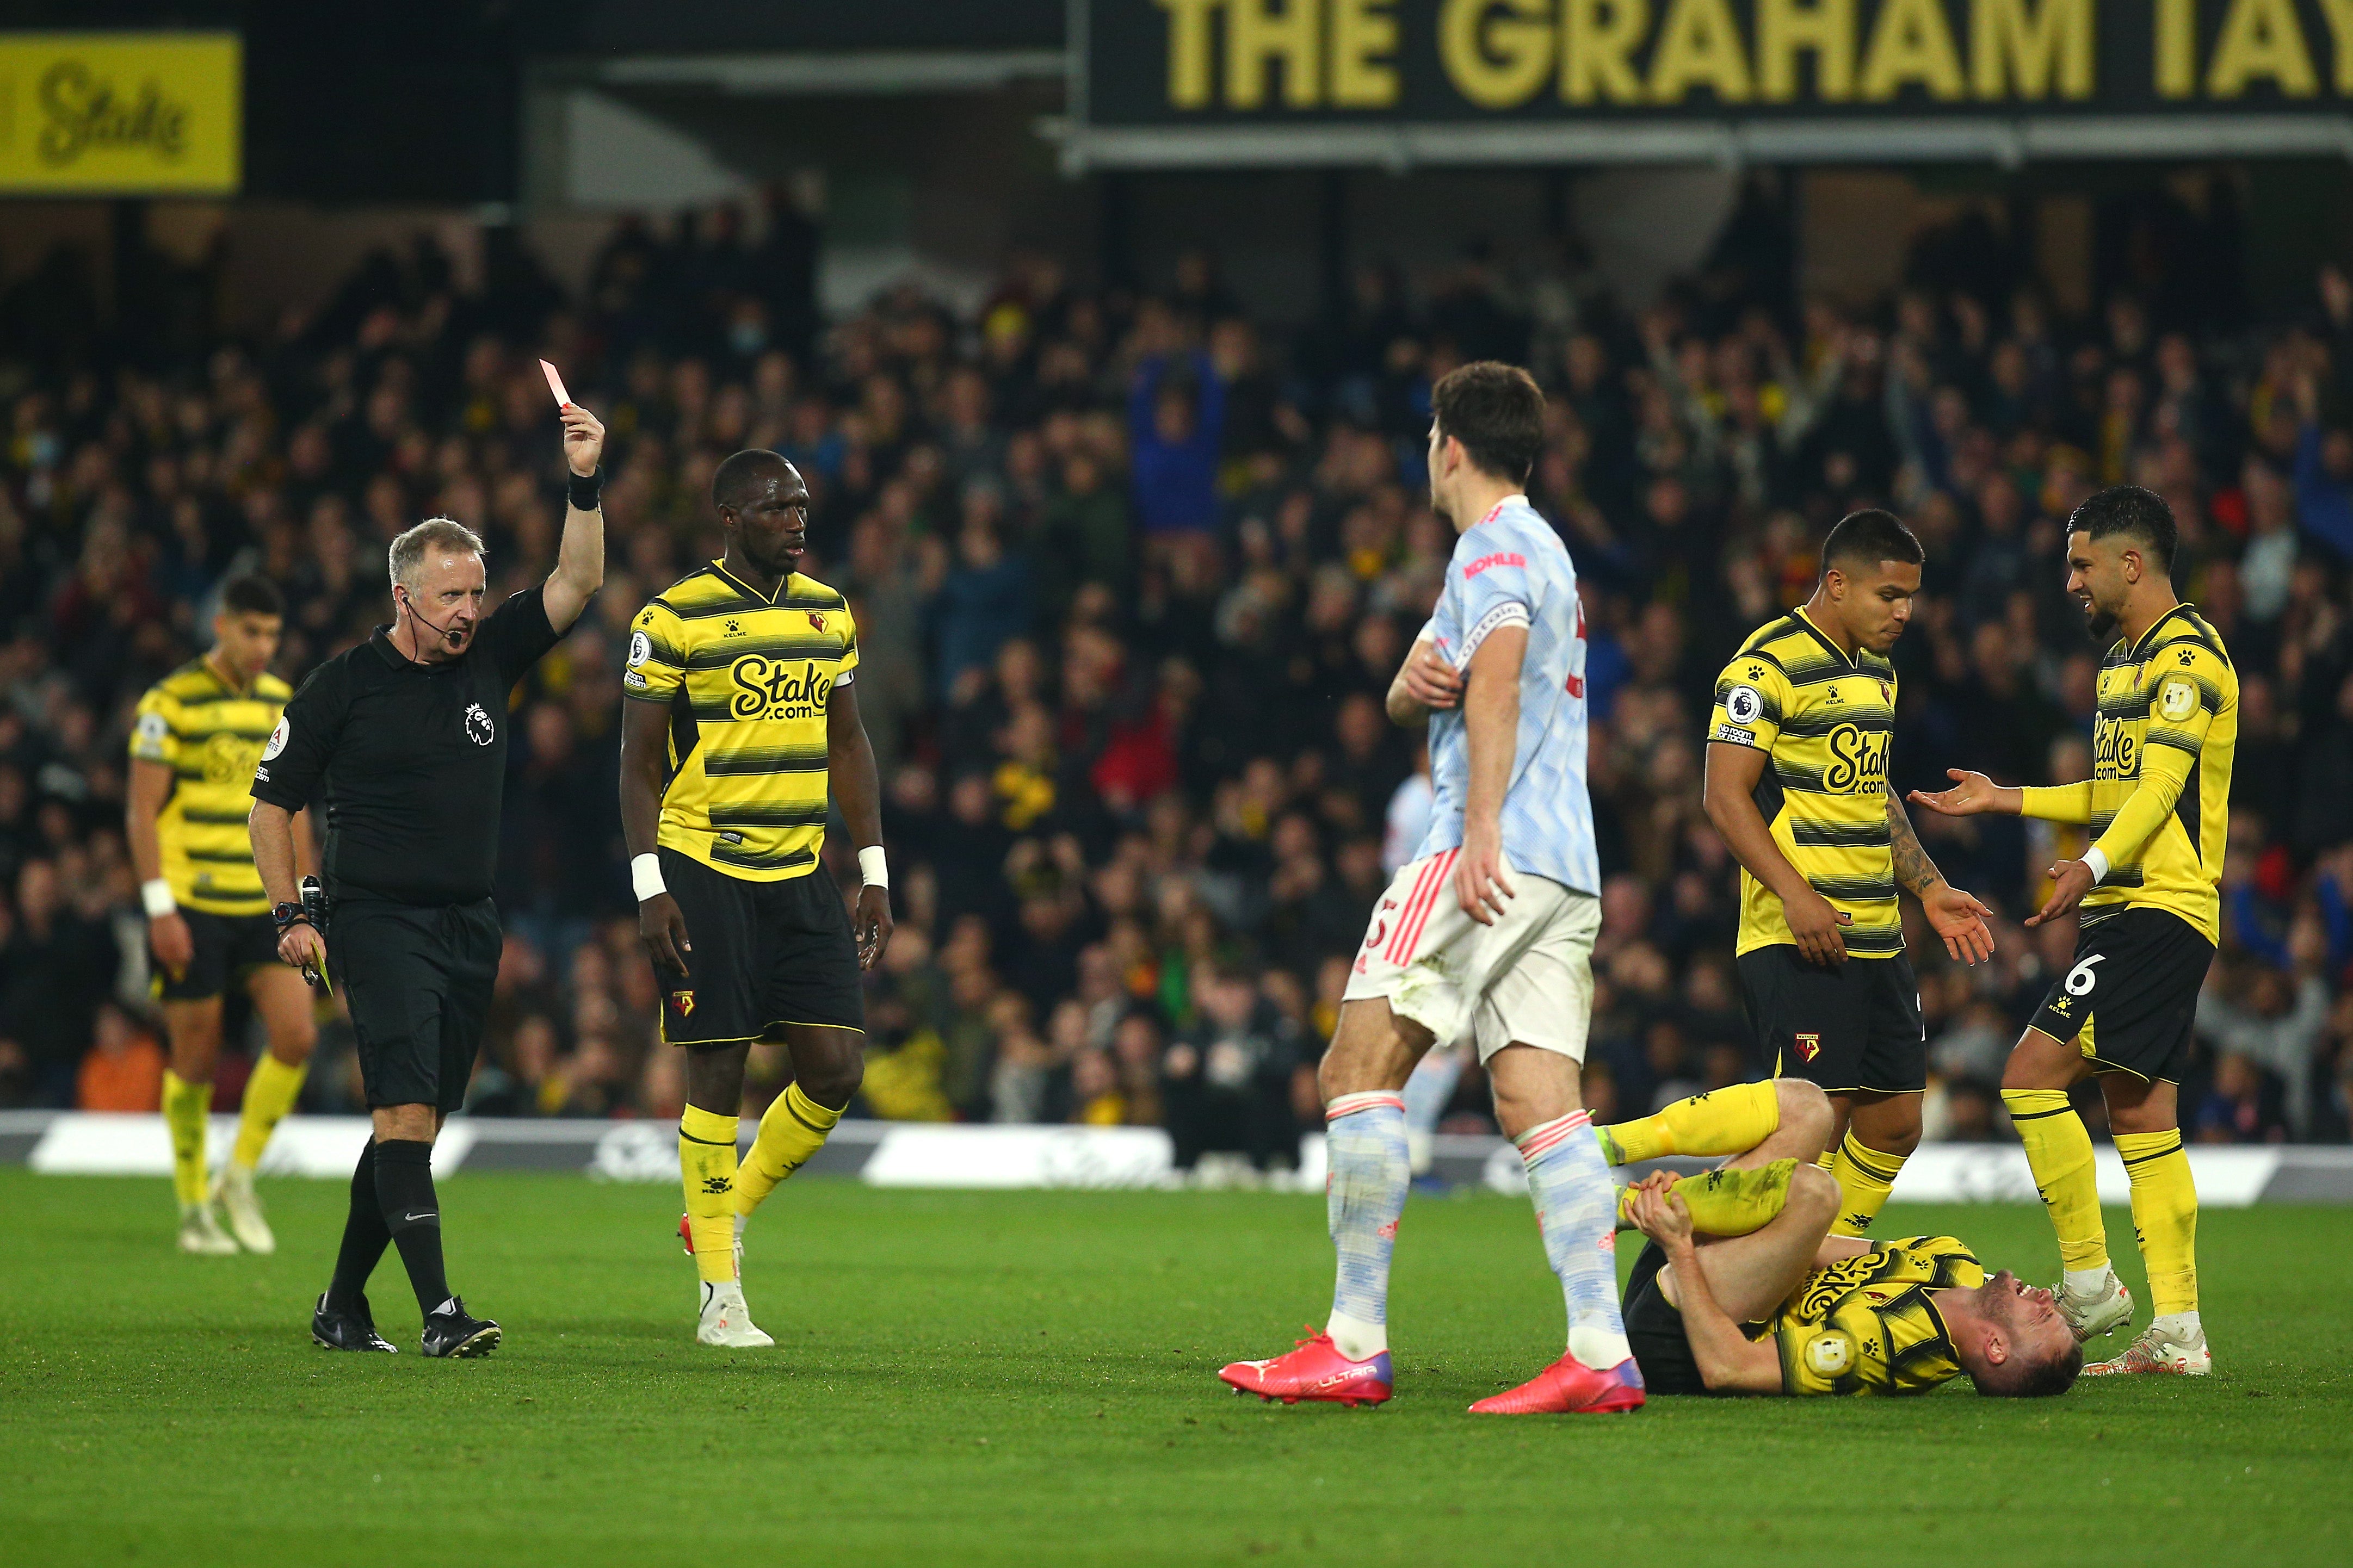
(1026, 1378)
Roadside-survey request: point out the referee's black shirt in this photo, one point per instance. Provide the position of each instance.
(413, 758)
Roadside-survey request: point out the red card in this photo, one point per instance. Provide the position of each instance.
(555, 385)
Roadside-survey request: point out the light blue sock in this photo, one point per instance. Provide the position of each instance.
(1576, 1208)
(1430, 1088)
(1364, 1140)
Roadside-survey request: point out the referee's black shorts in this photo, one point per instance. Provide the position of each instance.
(1852, 1029)
(228, 948)
(418, 979)
(765, 955)
(2131, 996)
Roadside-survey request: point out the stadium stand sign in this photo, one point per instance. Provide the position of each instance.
(120, 113)
(1222, 83)
(923, 1154)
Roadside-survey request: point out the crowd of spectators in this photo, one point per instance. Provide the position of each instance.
(1130, 573)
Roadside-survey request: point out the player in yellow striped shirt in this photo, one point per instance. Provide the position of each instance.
(1797, 784)
(2157, 807)
(197, 737)
(742, 724)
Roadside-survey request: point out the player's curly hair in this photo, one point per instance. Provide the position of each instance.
(2019, 1378)
(2131, 510)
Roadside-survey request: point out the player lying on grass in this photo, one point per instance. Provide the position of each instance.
(1790, 1309)
(1776, 1127)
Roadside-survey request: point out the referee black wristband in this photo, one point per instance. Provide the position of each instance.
(581, 494)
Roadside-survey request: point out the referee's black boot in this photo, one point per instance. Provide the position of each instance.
(450, 1332)
(333, 1329)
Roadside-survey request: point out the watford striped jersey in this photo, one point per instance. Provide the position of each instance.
(210, 734)
(1865, 1324)
(746, 679)
(2157, 802)
(1826, 721)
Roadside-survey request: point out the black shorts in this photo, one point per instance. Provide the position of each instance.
(2130, 999)
(418, 979)
(1854, 1028)
(1655, 1328)
(765, 955)
(228, 948)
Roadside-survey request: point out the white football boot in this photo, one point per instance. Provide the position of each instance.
(727, 1321)
(201, 1233)
(2161, 1347)
(2104, 1312)
(233, 1190)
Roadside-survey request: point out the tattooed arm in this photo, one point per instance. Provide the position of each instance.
(1954, 915)
(1915, 872)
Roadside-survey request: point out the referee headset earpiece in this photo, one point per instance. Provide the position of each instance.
(410, 605)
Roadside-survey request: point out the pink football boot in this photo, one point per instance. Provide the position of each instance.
(1567, 1387)
(1314, 1370)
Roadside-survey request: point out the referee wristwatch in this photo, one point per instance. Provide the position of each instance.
(287, 915)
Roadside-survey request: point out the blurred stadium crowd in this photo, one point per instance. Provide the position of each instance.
(1130, 573)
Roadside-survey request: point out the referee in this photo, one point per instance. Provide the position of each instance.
(407, 733)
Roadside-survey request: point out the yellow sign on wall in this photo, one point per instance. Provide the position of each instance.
(120, 113)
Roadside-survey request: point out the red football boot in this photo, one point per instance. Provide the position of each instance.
(1314, 1370)
(1568, 1387)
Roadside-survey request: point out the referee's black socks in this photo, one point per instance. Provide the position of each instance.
(365, 1237)
(403, 1187)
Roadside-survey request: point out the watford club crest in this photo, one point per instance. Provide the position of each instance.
(1809, 1047)
(816, 620)
(685, 1002)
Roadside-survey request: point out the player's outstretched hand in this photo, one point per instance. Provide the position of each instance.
(2071, 880)
(662, 926)
(874, 925)
(1659, 1212)
(1971, 794)
(1432, 679)
(1960, 919)
(1814, 925)
(583, 439)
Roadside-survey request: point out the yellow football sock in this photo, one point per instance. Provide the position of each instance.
(185, 1107)
(2165, 1217)
(268, 1096)
(2059, 1153)
(706, 1164)
(1864, 1176)
(794, 1129)
(1729, 1203)
(1722, 1121)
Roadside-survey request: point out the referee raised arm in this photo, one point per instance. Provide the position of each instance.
(407, 734)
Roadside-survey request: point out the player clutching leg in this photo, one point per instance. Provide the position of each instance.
(2157, 806)
(1797, 784)
(1790, 1309)
(744, 710)
(200, 732)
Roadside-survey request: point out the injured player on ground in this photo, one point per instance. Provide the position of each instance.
(1792, 1310)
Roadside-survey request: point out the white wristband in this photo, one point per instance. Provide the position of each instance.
(156, 894)
(2097, 860)
(871, 868)
(645, 876)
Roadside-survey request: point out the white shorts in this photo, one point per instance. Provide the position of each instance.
(1527, 979)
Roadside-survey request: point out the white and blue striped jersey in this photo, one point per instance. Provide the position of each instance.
(1511, 569)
